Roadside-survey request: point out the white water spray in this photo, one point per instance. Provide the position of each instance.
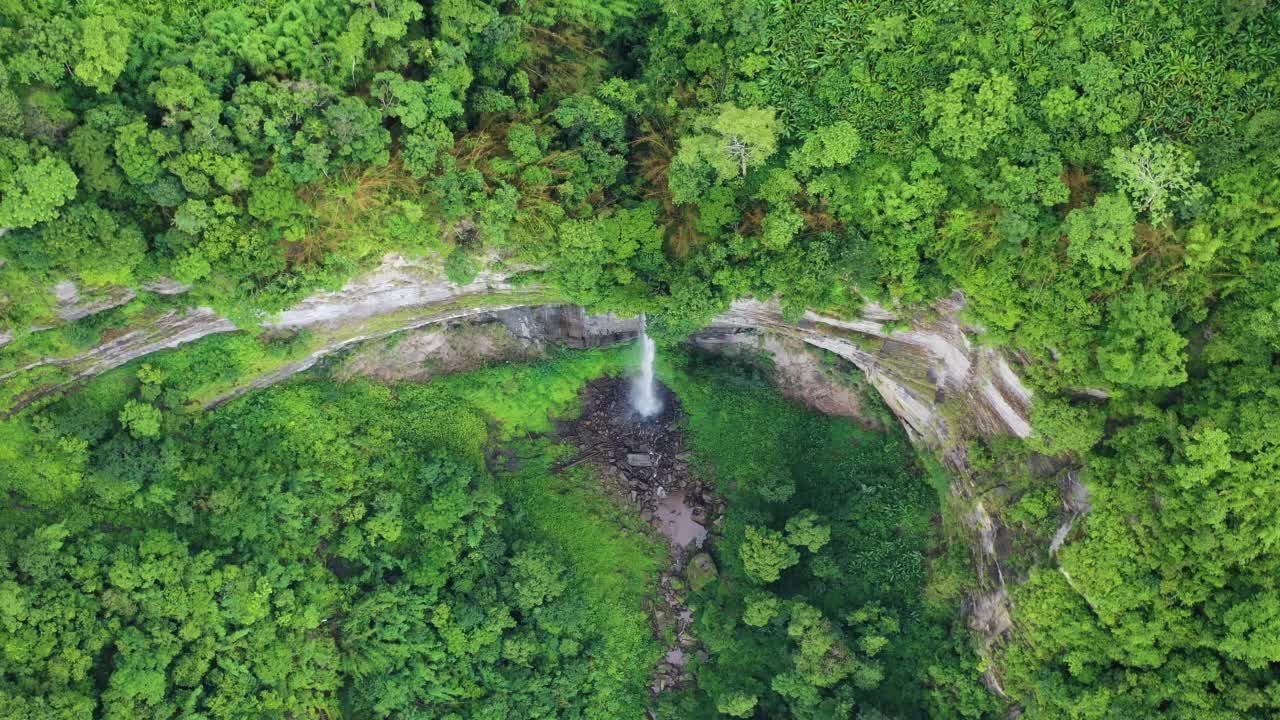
(644, 389)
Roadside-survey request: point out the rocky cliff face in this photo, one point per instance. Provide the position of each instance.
(399, 295)
(930, 374)
(938, 383)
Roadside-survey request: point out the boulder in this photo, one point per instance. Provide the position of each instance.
(639, 459)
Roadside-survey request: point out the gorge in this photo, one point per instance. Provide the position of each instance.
(938, 383)
(639, 360)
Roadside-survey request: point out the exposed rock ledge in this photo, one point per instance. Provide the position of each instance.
(929, 374)
(398, 295)
(925, 373)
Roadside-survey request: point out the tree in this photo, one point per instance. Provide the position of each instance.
(827, 147)
(822, 658)
(749, 136)
(765, 554)
(1140, 347)
(35, 192)
(354, 132)
(401, 98)
(139, 151)
(1102, 236)
(422, 147)
(972, 113)
(1158, 176)
(88, 150)
(738, 704)
(523, 142)
(536, 578)
(105, 47)
(761, 608)
(1061, 426)
(142, 420)
(599, 258)
(732, 143)
(804, 530)
(88, 241)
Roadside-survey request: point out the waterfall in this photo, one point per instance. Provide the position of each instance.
(644, 388)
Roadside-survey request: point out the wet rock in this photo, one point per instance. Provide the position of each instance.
(676, 521)
(989, 614)
(166, 286)
(1075, 503)
(635, 458)
(639, 459)
(74, 305)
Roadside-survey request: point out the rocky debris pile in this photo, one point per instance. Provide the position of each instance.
(645, 462)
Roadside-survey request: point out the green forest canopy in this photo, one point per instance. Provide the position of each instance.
(325, 550)
(1101, 180)
(318, 550)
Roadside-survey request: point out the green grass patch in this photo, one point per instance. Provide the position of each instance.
(527, 398)
(609, 548)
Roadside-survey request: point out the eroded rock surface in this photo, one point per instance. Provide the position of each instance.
(799, 372)
(916, 370)
(401, 294)
(493, 336)
(74, 304)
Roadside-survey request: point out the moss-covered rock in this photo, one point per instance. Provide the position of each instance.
(701, 571)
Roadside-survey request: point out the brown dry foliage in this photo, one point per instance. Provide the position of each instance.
(752, 221)
(562, 60)
(343, 206)
(1081, 194)
(652, 158)
(818, 220)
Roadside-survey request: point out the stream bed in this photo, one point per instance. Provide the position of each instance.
(644, 461)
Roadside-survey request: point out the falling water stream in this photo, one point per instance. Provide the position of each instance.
(644, 388)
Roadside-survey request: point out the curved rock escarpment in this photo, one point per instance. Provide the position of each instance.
(930, 374)
(920, 371)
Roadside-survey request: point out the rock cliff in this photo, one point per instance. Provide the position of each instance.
(929, 372)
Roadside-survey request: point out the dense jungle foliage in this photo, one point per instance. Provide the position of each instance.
(321, 550)
(1100, 179)
(835, 597)
(340, 550)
